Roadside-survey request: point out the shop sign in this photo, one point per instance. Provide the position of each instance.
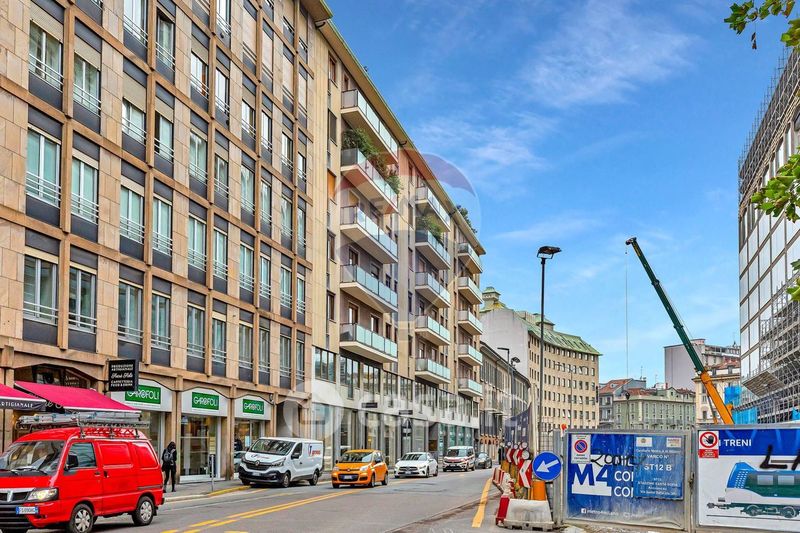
(201, 400)
(145, 394)
(123, 375)
(253, 407)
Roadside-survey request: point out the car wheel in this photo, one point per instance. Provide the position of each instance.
(245, 482)
(788, 512)
(81, 520)
(286, 480)
(145, 510)
(335, 485)
(752, 510)
(371, 481)
(314, 478)
(385, 480)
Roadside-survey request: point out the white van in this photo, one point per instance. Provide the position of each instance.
(281, 461)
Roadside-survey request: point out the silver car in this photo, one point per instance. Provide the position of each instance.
(416, 464)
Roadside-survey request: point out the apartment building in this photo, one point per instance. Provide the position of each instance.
(570, 363)
(506, 404)
(679, 370)
(723, 375)
(156, 163)
(661, 407)
(396, 356)
(610, 391)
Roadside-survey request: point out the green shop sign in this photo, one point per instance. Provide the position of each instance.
(145, 394)
(253, 407)
(201, 400)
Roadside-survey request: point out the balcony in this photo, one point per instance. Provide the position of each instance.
(366, 288)
(427, 200)
(430, 330)
(433, 291)
(469, 290)
(470, 257)
(361, 341)
(360, 114)
(432, 371)
(433, 249)
(356, 225)
(470, 355)
(363, 175)
(470, 322)
(470, 387)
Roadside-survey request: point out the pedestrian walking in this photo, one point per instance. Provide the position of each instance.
(169, 464)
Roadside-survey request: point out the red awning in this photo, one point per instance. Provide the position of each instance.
(74, 398)
(14, 399)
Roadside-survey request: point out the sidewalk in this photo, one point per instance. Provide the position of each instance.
(194, 491)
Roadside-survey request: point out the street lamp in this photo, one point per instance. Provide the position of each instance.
(544, 253)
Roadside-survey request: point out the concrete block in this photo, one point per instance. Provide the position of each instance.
(528, 514)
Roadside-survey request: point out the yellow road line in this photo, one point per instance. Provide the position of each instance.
(170, 531)
(476, 522)
(200, 524)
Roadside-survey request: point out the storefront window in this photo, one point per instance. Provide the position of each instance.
(373, 429)
(344, 431)
(154, 421)
(390, 439)
(323, 430)
(198, 440)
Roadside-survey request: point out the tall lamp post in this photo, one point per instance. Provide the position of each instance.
(545, 253)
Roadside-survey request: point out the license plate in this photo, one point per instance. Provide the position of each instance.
(27, 510)
(348, 477)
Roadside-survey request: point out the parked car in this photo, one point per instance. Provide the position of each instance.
(459, 458)
(483, 460)
(71, 476)
(416, 464)
(281, 461)
(360, 467)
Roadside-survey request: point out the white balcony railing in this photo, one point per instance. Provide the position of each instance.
(134, 29)
(44, 71)
(131, 229)
(84, 208)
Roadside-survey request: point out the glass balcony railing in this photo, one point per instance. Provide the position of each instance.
(353, 156)
(467, 316)
(425, 278)
(465, 248)
(356, 274)
(466, 283)
(354, 98)
(361, 335)
(427, 365)
(474, 386)
(424, 236)
(354, 215)
(427, 322)
(424, 194)
(470, 351)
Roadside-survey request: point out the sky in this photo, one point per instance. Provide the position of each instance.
(580, 124)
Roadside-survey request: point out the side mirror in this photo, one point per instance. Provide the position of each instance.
(336, 461)
(72, 462)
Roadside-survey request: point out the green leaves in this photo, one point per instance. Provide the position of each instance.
(747, 12)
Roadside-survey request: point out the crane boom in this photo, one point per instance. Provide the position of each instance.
(711, 390)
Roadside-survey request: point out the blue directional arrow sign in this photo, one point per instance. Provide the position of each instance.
(546, 466)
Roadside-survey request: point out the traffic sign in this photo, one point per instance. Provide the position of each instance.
(708, 445)
(546, 466)
(525, 477)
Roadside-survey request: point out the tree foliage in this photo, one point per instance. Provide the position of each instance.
(748, 12)
(465, 213)
(358, 138)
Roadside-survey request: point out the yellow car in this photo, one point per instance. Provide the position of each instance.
(360, 467)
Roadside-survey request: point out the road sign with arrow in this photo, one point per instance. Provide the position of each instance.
(546, 466)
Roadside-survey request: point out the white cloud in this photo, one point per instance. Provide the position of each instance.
(562, 226)
(601, 52)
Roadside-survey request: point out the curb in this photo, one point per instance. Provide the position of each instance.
(221, 492)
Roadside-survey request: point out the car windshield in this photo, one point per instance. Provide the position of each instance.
(413, 457)
(458, 452)
(357, 457)
(34, 456)
(483, 455)
(272, 446)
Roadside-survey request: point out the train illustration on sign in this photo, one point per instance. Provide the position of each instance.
(761, 492)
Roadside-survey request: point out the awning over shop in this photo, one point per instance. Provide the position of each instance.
(74, 398)
(15, 399)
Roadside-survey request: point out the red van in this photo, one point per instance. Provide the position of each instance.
(67, 477)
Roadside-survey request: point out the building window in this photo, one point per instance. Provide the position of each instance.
(160, 336)
(131, 215)
(221, 92)
(221, 176)
(300, 362)
(248, 119)
(218, 339)
(199, 75)
(267, 52)
(265, 277)
(163, 140)
(301, 232)
(266, 202)
(44, 56)
(286, 287)
(82, 290)
(130, 313)
(301, 295)
(43, 175)
(197, 157)
(197, 243)
(220, 254)
(301, 171)
(286, 217)
(263, 350)
(286, 155)
(266, 131)
(40, 290)
(245, 346)
(162, 226)
(135, 19)
(196, 332)
(84, 191)
(285, 355)
(87, 85)
(324, 365)
(133, 124)
(165, 40)
(246, 279)
(248, 190)
(224, 16)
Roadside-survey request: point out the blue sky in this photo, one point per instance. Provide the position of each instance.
(580, 124)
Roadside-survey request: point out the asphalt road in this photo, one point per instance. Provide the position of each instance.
(446, 503)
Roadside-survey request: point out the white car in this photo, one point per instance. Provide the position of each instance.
(416, 464)
(282, 461)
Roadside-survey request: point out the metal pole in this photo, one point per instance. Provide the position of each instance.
(570, 395)
(541, 363)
